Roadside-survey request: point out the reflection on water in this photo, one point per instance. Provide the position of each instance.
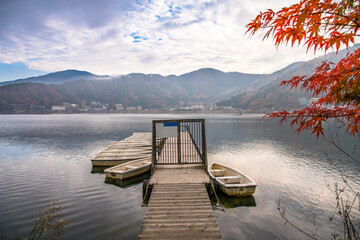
(47, 157)
(98, 169)
(125, 183)
(232, 202)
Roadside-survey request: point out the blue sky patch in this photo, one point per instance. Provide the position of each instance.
(174, 10)
(35, 59)
(137, 38)
(13, 71)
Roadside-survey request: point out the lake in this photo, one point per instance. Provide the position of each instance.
(47, 157)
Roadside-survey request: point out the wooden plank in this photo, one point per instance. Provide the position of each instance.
(137, 146)
(179, 211)
(184, 221)
(177, 226)
(154, 208)
(180, 235)
(174, 174)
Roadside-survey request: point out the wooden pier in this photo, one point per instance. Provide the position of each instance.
(179, 206)
(179, 211)
(134, 147)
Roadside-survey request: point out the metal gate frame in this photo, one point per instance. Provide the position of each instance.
(190, 142)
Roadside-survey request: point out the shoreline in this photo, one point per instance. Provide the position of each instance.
(137, 112)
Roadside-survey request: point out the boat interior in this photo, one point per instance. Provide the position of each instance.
(228, 176)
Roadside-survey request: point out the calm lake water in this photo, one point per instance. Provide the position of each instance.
(47, 157)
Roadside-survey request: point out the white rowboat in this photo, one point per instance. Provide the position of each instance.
(230, 181)
(129, 169)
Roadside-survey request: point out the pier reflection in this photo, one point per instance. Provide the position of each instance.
(128, 182)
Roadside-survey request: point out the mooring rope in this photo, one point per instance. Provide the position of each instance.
(218, 200)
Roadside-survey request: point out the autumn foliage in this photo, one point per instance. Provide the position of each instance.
(320, 25)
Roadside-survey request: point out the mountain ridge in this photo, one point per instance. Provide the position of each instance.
(56, 77)
(271, 95)
(206, 85)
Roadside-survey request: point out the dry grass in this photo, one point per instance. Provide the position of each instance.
(49, 225)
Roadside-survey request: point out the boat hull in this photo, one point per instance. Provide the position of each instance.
(129, 170)
(127, 175)
(238, 191)
(230, 181)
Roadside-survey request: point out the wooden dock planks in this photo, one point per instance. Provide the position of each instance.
(194, 173)
(179, 206)
(179, 211)
(135, 147)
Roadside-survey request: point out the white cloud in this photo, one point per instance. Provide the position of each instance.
(166, 37)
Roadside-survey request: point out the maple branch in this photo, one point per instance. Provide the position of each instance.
(319, 23)
(342, 150)
(344, 16)
(342, 174)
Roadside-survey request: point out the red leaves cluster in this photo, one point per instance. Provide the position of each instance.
(320, 24)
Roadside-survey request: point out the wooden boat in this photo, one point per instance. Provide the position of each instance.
(129, 169)
(125, 183)
(110, 161)
(231, 181)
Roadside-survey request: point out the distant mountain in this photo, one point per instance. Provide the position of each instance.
(268, 94)
(28, 93)
(57, 77)
(207, 85)
(211, 83)
(137, 89)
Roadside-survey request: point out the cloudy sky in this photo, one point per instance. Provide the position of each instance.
(151, 36)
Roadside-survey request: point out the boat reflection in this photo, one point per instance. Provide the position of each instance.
(232, 202)
(98, 169)
(125, 183)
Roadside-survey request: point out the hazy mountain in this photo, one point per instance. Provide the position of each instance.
(211, 83)
(131, 90)
(28, 93)
(57, 77)
(265, 91)
(137, 89)
(243, 90)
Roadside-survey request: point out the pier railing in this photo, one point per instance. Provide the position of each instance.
(179, 142)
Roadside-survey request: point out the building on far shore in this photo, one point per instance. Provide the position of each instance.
(119, 107)
(58, 108)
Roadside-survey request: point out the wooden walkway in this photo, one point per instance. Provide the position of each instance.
(179, 211)
(179, 206)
